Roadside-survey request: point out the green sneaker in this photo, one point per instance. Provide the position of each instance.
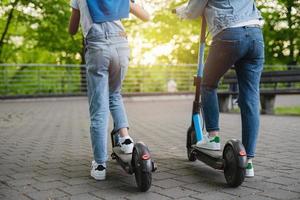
(249, 170)
(210, 143)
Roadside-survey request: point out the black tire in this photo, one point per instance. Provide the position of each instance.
(234, 174)
(143, 179)
(190, 140)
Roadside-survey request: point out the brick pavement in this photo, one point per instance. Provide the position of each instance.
(45, 153)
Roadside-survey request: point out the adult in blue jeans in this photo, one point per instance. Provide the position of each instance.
(107, 59)
(237, 40)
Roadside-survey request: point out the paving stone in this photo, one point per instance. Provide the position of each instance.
(280, 194)
(50, 158)
(25, 189)
(177, 192)
(256, 197)
(78, 180)
(201, 187)
(77, 174)
(261, 185)
(214, 195)
(240, 191)
(147, 196)
(21, 182)
(50, 172)
(168, 183)
(51, 178)
(49, 194)
(5, 178)
(189, 179)
(49, 185)
(16, 195)
(163, 175)
(111, 194)
(24, 175)
(282, 181)
(108, 184)
(78, 189)
(187, 198)
(183, 172)
(79, 197)
(76, 168)
(292, 188)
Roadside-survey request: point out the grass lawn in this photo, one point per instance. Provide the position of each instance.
(291, 110)
(294, 110)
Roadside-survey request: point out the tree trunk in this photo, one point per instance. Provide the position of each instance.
(8, 21)
(291, 35)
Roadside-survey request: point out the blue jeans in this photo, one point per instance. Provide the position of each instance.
(107, 59)
(242, 47)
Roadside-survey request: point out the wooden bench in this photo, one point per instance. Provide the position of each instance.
(271, 84)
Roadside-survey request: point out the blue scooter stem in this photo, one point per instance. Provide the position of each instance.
(196, 119)
(201, 49)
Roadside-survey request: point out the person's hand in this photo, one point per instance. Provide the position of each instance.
(180, 11)
(139, 11)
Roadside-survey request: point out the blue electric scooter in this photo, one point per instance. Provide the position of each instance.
(233, 158)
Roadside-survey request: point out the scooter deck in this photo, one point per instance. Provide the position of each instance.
(217, 154)
(211, 158)
(126, 158)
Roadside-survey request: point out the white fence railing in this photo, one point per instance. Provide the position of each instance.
(68, 79)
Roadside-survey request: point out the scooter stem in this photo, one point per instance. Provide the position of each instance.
(197, 79)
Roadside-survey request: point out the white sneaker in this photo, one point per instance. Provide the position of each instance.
(98, 172)
(210, 143)
(126, 144)
(249, 169)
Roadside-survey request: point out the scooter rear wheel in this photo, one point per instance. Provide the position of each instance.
(234, 174)
(190, 140)
(143, 178)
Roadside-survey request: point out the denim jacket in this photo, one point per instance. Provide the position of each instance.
(222, 14)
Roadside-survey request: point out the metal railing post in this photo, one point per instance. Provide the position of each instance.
(39, 80)
(6, 90)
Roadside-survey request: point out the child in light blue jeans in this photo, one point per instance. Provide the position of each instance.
(107, 58)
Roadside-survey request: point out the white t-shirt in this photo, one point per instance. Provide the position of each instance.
(85, 17)
(250, 22)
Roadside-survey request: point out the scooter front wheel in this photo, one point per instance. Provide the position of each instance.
(142, 163)
(234, 173)
(190, 140)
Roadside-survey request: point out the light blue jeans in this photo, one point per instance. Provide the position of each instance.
(107, 58)
(242, 47)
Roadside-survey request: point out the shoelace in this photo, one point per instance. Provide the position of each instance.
(127, 141)
(100, 168)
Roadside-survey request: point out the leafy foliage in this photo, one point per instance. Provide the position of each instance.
(281, 31)
(36, 32)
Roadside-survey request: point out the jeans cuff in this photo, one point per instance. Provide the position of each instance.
(101, 161)
(119, 126)
(250, 156)
(213, 129)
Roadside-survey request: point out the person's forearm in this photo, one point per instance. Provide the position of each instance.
(192, 10)
(74, 22)
(139, 12)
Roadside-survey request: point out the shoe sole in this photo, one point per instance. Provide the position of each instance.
(102, 178)
(249, 175)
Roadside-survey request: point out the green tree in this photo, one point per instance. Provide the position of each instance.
(281, 31)
(28, 27)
